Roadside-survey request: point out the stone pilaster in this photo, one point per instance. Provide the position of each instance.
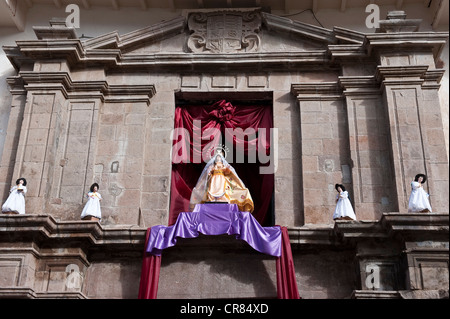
(324, 148)
(369, 139)
(417, 138)
(410, 83)
(12, 136)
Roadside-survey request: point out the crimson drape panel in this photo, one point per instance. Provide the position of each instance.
(151, 266)
(286, 283)
(197, 120)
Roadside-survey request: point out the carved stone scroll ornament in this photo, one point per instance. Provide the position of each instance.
(224, 32)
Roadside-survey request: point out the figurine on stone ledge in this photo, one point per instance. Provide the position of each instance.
(344, 209)
(219, 183)
(418, 200)
(91, 210)
(15, 204)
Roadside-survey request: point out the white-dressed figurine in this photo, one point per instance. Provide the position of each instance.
(344, 209)
(418, 200)
(91, 210)
(15, 203)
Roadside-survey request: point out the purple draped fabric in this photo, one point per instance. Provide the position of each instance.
(216, 219)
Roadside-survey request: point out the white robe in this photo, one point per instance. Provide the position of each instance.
(92, 207)
(343, 207)
(15, 201)
(418, 200)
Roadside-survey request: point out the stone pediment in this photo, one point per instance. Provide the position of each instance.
(222, 31)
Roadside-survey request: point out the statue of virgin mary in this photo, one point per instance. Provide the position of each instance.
(219, 183)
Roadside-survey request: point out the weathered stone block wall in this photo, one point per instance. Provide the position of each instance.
(73, 164)
(417, 140)
(215, 270)
(119, 160)
(11, 144)
(325, 274)
(116, 278)
(325, 156)
(371, 161)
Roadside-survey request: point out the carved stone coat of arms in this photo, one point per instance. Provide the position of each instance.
(224, 32)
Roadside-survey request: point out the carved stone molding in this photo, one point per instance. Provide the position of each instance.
(82, 89)
(323, 91)
(396, 22)
(224, 32)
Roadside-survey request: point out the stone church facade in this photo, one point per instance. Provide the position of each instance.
(352, 108)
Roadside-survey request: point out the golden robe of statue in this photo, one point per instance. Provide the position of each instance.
(221, 185)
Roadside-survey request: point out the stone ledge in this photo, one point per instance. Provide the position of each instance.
(39, 228)
(373, 294)
(390, 224)
(29, 293)
(400, 294)
(83, 89)
(424, 294)
(46, 227)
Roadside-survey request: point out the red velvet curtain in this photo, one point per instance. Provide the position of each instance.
(151, 265)
(196, 127)
(286, 283)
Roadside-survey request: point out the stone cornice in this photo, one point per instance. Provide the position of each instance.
(145, 35)
(84, 89)
(106, 41)
(292, 27)
(187, 61)
(348, 52)
(39, 228)
(114, 58)
(432, 79)
(54, 33)
(17, 58)
(391, 75)
(409, 75)
(91, 236)
(408, 225)
(361, 230)
(374, 294)
(324, 91)
(400, 71)
(30, 293)
(349, 36)
(412, 40)
(312, 235)
(359, 85)
(428, 223)
(16, 85)
(153, 33)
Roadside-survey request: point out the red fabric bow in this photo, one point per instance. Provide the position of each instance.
(222, 111)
